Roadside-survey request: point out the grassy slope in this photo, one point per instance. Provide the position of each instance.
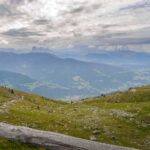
(121, 118)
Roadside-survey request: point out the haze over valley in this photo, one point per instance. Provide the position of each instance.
(71, 50)
(70, 79)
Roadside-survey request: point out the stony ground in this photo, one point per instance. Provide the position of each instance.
(121, 118)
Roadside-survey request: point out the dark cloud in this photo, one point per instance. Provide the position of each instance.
(141, 4)
(125, 41)
(21, 33)
(106, 26)
(57, 22)
(77, 10)
(19, 2)
(85, 8)
(16, 1)
(133, 41)
(41, 22)
(5, 10)
(9, 12)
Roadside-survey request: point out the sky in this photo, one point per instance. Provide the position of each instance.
(63, 25)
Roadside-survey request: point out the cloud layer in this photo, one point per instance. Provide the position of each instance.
(63, 24)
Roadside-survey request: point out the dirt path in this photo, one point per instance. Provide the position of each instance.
(6, 105)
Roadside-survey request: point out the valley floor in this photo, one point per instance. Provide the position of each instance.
(121, 118)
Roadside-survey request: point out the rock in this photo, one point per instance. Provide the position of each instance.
(51, 140)
(92, 138)
(95, 132)
(133, 90)
(121, 113)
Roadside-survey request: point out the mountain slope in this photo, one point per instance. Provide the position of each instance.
(15, 80)
(68, 78)
(7, 77)
(122, 57)
(120, 118)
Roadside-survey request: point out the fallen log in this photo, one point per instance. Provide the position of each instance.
(51, 140)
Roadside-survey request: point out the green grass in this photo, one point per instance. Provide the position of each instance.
(121, 118)
(4, 95)
(8, 145)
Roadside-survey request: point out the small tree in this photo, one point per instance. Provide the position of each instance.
(12, 91)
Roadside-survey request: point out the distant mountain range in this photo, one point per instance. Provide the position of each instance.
(15, 80)
(124, 57)
(66, 78)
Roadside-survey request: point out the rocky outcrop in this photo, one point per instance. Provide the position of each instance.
(50, 140)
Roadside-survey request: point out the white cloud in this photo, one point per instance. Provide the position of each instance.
(4, 42)
(62, 23)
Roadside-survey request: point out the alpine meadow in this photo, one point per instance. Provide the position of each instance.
(74, 75)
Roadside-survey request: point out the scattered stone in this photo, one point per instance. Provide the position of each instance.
(92, 138)
(51, 140)
(133, 90)
(121, 113)
(50, 111)
(95, 132)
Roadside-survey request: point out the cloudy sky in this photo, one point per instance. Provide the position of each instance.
(66, 24)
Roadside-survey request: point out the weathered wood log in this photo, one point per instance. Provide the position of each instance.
(50, 140)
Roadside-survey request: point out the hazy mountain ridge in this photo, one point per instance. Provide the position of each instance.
(69, 78)
(14, 80)
(122, 57)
